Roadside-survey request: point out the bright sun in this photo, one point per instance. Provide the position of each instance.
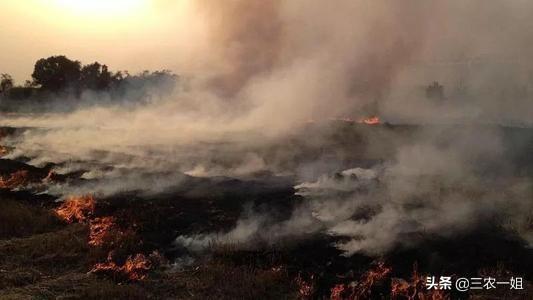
(103, 8)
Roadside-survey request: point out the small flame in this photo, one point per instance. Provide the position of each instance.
(135, 268)
(374, 120)
(3, 150)
(363, 288)
(15, 180)
(338, 292)
(306, 288)
(50, 177)
(414, 289)
(103, 231)
(370, 278)
(99, 230)
(76, 209)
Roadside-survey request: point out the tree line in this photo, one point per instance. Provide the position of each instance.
(59, 74)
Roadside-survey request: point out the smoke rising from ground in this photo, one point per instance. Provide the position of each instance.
(272, 65)
(430, 190)
(263, 69)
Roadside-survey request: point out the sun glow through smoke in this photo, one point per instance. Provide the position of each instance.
(103, 8)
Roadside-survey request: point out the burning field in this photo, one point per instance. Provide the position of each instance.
(361, 150)
(378, 229)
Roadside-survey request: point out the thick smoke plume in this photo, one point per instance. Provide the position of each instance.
(263, 70)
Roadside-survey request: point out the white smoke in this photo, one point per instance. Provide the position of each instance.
(263, 69)
(427, 191)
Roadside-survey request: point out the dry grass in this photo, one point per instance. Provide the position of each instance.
(75, 286)
(19, 219)
(55, 265)
(221, 280)
(25, 261)
(213, 280)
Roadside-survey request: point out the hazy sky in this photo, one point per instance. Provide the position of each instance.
(124, 34)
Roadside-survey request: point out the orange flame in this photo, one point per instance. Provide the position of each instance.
(414, 289)
(15, 180)
(306, 288)
(374, 120)
(104, 231)
(3, 150)
(99, 230)
(338, 292)
(50, 177)
(371, 277)
(135, 268)
(76, 209)
(363, 288)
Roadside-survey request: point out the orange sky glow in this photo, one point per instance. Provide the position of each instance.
(129, 35)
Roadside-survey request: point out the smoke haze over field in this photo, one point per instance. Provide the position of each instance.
(279, 63)
(262, 69)
(431, 189)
